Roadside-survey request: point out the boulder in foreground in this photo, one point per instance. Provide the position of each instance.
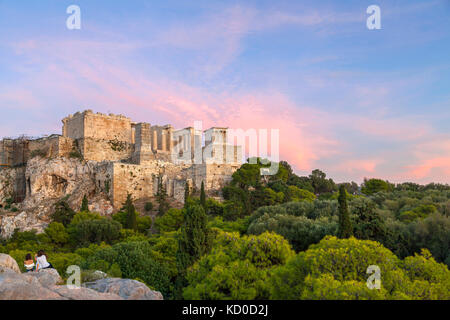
(125, 288)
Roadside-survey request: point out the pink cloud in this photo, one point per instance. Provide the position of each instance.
(88, 79)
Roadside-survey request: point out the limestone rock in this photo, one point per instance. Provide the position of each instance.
(7, 179)
(125, 288)
(46, 277)
(90, 275)
(48, 181)
(14, 286)
(24, 221)
(83, 294)
(41, 285)
(8, 262)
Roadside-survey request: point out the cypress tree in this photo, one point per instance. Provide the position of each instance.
(203, 196)
(161, 197)
(345, 225)
(186, 193)
(192, 243)
(131, 213)
(84, 205)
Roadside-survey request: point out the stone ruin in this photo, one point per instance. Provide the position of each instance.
(124, 157)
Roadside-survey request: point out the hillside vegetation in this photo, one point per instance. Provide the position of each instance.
(273, 237)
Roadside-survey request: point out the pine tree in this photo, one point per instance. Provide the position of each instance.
(130, 210)
(345, 225)
(161, 197)
(203, 196)
(84, 205)
(192, 243)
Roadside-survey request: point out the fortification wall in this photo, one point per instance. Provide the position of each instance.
(73, 126)
(214, 176)
(108, 127)
(101, 150)
(53, 146)
(141, 181)
(99, 136)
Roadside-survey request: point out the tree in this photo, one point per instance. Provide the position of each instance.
(193, 243)
(186, 193)
(57, 233)
(295, 194)
(63, 213)
(372, 186)
(237, 267)
(299, 230)
(301, 182)
(97, 231)
(148, 207)
(203, 196)
(368, 222)
(345, 226)
(130, 211)
(136, 260)
(84, 204)
(337, 269)
(320, 183)
(170, 221)
(161, 197)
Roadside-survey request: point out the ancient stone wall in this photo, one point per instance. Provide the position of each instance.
(143, 144)
(214, 176)
(51, 147)
(73, 126)
(100, 150)
(98, 126)
(101, 137)
(141, 181)
(118, 157)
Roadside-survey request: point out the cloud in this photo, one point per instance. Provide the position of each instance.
(55, 77)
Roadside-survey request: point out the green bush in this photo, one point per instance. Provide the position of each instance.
(97, 231)
(135, 260)
(170, 221)
(237, 267)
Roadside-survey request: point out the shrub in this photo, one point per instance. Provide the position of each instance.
(135, 260)
(97, 231)
(237, 267)
(170, 221)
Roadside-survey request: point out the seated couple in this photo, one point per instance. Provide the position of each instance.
(41, 262)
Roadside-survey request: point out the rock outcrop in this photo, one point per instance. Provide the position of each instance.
(7, 262)
(47, 181)
(125, 288)
(46, 285)
(46, 277)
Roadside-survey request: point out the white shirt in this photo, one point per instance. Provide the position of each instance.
(42, 262)
(29, 266)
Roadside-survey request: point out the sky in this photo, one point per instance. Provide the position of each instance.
(350, 101)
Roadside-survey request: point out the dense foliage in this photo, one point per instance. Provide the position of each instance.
(272, 237)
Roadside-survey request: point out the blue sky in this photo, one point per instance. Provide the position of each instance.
(354, 102)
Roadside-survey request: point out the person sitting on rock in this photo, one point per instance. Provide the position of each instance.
(29, 263)
(41, 261)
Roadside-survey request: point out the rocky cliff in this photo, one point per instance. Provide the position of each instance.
(46, 182)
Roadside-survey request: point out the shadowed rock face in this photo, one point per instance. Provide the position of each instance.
(125, 288)
(44, 285)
